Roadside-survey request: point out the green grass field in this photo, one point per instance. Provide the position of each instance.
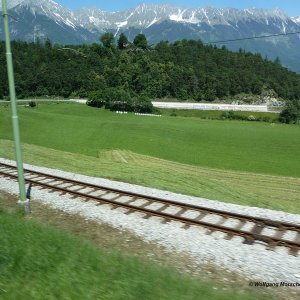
(251, 163)
(244, 146)
(41, 262)
(275, 192)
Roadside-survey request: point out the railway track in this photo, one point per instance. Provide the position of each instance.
(252, 229)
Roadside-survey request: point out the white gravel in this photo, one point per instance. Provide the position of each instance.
(254, 262)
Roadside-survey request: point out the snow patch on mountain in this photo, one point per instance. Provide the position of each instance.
(122, 24)
(144, 15)
(56, 12)
(296, 19)
(178, 17)
(153, 22)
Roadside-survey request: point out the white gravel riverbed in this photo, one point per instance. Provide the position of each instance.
(254, 262)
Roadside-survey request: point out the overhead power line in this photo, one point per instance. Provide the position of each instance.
(253, 37)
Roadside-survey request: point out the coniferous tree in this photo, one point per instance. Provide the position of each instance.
(185, 69)
(107, 39)
(122, 41)
(140, 41)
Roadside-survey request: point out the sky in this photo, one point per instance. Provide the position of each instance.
(291, 7)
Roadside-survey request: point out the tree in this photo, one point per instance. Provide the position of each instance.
(48, 44)
(291, 113)
(122, 41)
(140, 41)
(32, 104)
(277, 61)
(116, 99)
(107, 39)
(184, 69)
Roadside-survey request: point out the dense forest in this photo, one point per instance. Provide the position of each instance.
(184, 69)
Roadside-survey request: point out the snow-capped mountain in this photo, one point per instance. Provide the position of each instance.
(46, 19)
(49, 8)
(93, 18)
(296, 19)
(168, 22)
(144, 16)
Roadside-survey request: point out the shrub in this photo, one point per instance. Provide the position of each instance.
(96, 99)
(229, 115)
(173, 113)
(142, 104)
(266, 119)
(32, 104)
(117, 99)
(291, 113)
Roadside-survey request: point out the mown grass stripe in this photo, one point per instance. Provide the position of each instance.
(243, 188)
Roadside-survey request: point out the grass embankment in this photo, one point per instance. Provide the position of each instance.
(40, 262)
(227, 160)
(275, 192)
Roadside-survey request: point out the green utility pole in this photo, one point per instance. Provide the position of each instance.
(15, 121)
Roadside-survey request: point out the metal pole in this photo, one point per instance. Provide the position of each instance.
(15, 121)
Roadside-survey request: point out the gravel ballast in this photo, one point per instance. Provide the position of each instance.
(255, 262)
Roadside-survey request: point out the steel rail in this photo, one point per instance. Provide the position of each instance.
(238, 216)
(249, 236)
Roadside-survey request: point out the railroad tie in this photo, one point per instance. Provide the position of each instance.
(222, 220)
(130, 200)
(210, 231)
(293, 250)
(93, 190)
(115, 198)
(113, 206)
(257, 229)
(248, 239)
(186, 226)
(229, 235)
(78, 189)
(100, 203)
(180, 212)
(55, 184)
(145, 204)
(129, 211)
(163, 208)
(165, 220)
(200, 217)
(280, 232)
(147, 216)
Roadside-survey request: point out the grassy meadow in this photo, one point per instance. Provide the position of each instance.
(41, 262)
(244, 146)
(251, 163)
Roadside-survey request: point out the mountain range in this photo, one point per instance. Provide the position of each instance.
(45, 19)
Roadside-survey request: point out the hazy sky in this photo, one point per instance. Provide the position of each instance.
(291, 7)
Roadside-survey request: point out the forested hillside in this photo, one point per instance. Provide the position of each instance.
(185, 69)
